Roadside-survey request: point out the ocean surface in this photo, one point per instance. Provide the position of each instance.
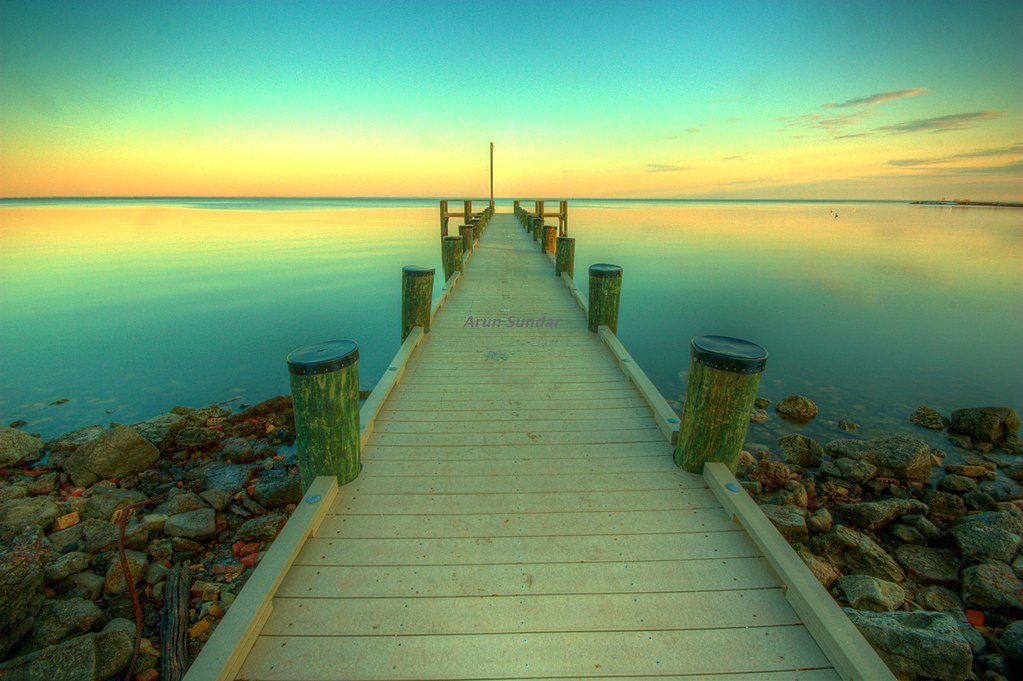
(126, 308)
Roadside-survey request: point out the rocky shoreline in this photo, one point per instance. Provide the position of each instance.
(924, 555)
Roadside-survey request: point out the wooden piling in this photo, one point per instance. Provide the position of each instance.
(605, 292)
(466, 232)
(451, 255)
(564, 260)
(723, 377)
(550, 234)
(416, 298)
(325, 393)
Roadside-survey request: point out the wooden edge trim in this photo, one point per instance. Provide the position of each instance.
(583, 304)
(851, 655)
(667, 419)
(395, 370)
(445, 292)
(225, 652)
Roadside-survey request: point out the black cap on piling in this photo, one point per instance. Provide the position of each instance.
(418, 270)
(729, 354)
(604, 271)
(323, 358)
(452, 238)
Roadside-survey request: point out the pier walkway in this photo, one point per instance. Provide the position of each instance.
(519, 515)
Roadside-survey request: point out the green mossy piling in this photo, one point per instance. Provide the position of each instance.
(451, 255)
(605, 293)
(550, 234)
(564, 260)
(416, 297)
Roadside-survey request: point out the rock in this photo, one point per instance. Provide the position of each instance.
(21, 587)
(87, 585)
(219, 499)
(928, 418)
(793, 493)
(262, 527)
(797, 408)
(800, 450)
(99, 536)
(114, 582)
(971, 471)
(939, 599)
(197, 524)
(185, 502)
(1011, 642)
(758, 415)
(105, 500)
(991, 424)
(236, 450)
(65, 540)
(59, 620)
(69, 442)
(855, 553)
(1015, 472)
(847, 426)
(18, 448)
(898, 456)
(980, 543)
(957, 484)
(117, 453)
(65, 565)
(197, 437)
(824, 571)
(8, 492)
(874, 515)
(159, 430)
(925, 643)
(18, 514)
(1011, 521)
(992, 585)
(279, 488)
(854, 471)
(227, 476)
(769, 473)
(942, 504)
(927, 565)
(925, 527)
(978, 501)
(907, 534)
(789, 520)
(1001, 490)
(89, 657)
(821, 521)
(870, 593)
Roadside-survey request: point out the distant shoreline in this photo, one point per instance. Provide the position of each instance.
(990, 204)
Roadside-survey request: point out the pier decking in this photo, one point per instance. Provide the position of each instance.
(519, 515)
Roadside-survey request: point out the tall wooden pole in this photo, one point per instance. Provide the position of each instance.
(491, 176)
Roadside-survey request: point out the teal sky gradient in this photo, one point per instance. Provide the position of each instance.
(696, 99)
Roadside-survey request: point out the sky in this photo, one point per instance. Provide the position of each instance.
(645, 99)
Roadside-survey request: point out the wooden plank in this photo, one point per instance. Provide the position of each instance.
(517, 484)
(520, 452)
(528, 613)
(410, 403)
(430, 468)
(650, 434)
(225, 651)
(484, 423)
(528, 502)
(371, 407)
(537, 655)
(426, 581)
(522, 524)
(393, 416)
(553, 549)
(838, 637)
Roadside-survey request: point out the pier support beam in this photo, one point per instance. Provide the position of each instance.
(605, 293)
(451, 255)
(724, 374)
(325, 393)
(416, 298)
(466, 232)
(564, 260)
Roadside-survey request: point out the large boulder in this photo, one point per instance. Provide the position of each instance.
(874, 515)
(800, 450)
(898, 456)
(855, 553)
(60, 619)
(926, 643)
(18, 448)
(159, 430)
(982, 542)
(929, 565)
(790, 521)
(117, 453)
(21, 588)
(196, 524)
(870, 593)
(278, 488)
(89, 657)
(18, 514)
(992, 585)
(991, 424)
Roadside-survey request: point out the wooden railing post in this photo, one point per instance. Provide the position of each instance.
(443, 218)
(563, 219)
(723, 377)
(535, 224)
(565, 257)
(451, 255)
(477, 227)
(416, 298)
(325, 395)
(605, 293)
(550, 233)
(466, 232)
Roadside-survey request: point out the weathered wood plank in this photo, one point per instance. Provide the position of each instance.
(519, 452)
(649, 434)
(393, 416)
(517, 484)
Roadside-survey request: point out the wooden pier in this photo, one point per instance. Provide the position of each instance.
(519, 516)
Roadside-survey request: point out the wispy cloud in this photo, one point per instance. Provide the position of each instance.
(665, 168)
(878, 98)
(963, 121)
(1014, 150)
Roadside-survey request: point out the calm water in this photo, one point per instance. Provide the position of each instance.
(126, 308)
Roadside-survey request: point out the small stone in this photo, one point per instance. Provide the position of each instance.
(64, 565)
(793, 494)
(219, 499)
(797, 408)
(928, 418)
(991, 424)
(65, 521)
(18, 448)
(156, 573)
(957, 484)
(184, 544)
(939, 599)
(925, 527)
(185, 502)
(907, 534)
(770, 473)
(1011, 642)
(823, 570)
(898, 456)
(970, 471)
(104, 501)
(761, 402)
(800, 450)
(752, 487)
(942, 504)
(992, 585)
(928, 565)
(855, 553)
(870, 593)
(92, 656)
(980, 543)
(790, 521)
(262, 527)
(201, 522)
(856, 472)
(1001, 489)
(758, 416)
(114, 583)
(820, 522)
(848, 426)
(875, 515)
(236, 450)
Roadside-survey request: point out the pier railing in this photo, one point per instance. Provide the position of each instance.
(542, 211)
(467, 214)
